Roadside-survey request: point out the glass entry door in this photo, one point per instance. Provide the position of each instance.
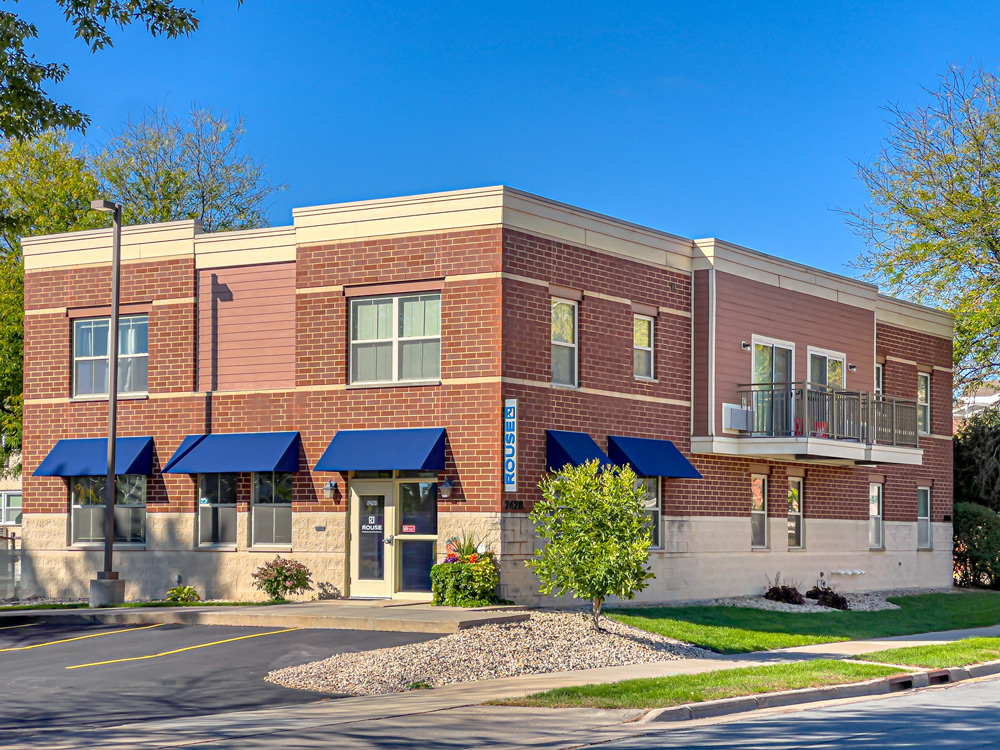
(773, 389)
(393, 535)
(373, 515)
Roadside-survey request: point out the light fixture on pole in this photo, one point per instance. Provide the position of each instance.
(108, 588)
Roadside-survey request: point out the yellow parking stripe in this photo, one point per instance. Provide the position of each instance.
(180, 650)
(25, 625)
(79, 638)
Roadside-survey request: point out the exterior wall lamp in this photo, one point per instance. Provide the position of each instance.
(852, 367)
(444, 491)
(329, 489)
(745, 345)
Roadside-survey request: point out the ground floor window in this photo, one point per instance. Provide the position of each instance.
(271, 510)
(875, 531)
(795, 512)
(923, 517)
(758, 510)
(10, 508)
(652, 502)
(88, 508)
(217, 509)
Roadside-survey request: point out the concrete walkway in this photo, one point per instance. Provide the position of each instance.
(325, 723)
(346, 614)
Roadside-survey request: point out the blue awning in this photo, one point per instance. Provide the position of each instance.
(574, 448)
(235, 452)
(385, 450)
(651, 458)
(88, 457)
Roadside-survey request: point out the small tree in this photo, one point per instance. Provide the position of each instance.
(593, 525)
(977, 459)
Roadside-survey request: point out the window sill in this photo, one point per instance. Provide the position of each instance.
(925, 549)
(393, 384)
(564, 387)
(649, 381)
(760, 549)
(121, 397)
(119, 546)
(270, 548)
(216, 548)
(876, 549)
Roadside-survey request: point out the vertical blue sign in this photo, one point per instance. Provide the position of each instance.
(510, 445)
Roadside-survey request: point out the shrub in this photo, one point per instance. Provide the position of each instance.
(466, 578)
(977, 546)
(785, 593)
(827, 597)
(282, 577)
(183, 594)
(592, 523)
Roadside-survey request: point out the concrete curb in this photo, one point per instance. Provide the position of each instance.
(411, 623)
(881, 686)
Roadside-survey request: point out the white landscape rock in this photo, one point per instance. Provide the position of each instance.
(547, 642)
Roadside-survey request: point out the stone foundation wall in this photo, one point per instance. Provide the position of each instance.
(709, 557)
(51, 567)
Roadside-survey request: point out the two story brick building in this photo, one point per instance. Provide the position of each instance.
(356, 389)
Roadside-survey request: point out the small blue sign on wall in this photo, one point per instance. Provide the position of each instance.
(510, 445)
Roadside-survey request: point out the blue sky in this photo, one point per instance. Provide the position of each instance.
(733, 120)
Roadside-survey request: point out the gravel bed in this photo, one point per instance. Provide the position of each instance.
(871, 601)
(547, 642)
(36, 600)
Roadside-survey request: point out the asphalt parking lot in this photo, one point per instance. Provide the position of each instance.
(92, 675)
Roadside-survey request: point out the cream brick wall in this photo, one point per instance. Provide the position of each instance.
(51, 567)
(708, 557)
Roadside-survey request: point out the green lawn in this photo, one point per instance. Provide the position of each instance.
(733, 630)
(695, 688)
(957, 654)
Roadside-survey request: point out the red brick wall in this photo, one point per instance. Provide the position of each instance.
(471, 348)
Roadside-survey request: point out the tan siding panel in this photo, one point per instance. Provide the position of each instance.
(745, 308)
(251, 341)
(701, 342)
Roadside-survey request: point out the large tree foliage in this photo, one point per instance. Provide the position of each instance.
(977, 459)
(161, 168)
(933, 221)
(26, 109)
(592, 526)
(46, 186)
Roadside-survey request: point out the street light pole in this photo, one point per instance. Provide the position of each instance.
(108, 588)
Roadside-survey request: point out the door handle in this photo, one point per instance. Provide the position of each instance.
(388, 539)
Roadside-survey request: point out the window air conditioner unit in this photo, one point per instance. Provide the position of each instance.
(735, 417)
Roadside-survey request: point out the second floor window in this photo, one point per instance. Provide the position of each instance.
(92, 355)
(564, 350)
(396, 339)
(642, 347)
(924, 402)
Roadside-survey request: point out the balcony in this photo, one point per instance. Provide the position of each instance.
(805, 421)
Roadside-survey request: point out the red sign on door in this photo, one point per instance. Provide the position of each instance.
(409, 529)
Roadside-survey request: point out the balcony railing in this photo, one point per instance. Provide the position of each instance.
(804, 409)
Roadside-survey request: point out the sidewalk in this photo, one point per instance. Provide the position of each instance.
(268, 728)
(338, 614)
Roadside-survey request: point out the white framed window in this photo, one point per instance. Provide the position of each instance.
(91, 355)
(795, 513)
(758, 511)
(879, 379)
(876, 538)
(923, 517)
(642, 347)
(10, 508)
(924, 402)
(396, 339)
(826, 368)
(88, 507)
(565, 352)
(217, 509)
(271, 510)
(653, 509)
